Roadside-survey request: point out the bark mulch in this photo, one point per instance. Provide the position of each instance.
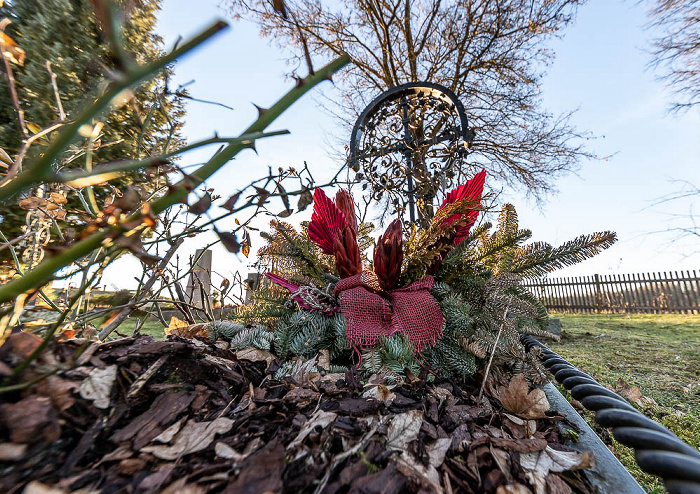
(189, 416)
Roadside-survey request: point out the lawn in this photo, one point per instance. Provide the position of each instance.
(658, 353)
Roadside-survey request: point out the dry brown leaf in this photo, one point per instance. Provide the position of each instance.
(255, 355)
(380, 393)
(403, 429)
(319, 419)
(195, 436)
(12, 451)
(552, 460)
(630, 393)
(518, 399)
(97, 387)
(513, 489)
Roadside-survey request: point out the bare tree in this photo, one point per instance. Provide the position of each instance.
(676, 50)
(491, 53)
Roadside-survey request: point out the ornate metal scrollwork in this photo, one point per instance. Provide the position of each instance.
(408, 144)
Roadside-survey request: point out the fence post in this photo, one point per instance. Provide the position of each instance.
(598, 295)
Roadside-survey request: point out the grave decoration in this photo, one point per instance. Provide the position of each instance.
(447, 297)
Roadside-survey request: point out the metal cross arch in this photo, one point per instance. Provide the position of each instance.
(410, 142)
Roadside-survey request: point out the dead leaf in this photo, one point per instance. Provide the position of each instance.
(302, 397)
(229, 241)
(513, 489)
(380, 393)
(226, 452)
(36, 487)
(404, 429)
(630, 393)
(29, 203)
(255, 355)
(438, 450)
(175, 323)
(195, 436)
(518, 399)
(11, 50)
(319, 419)
(97, 387)
(552, 460)
(231, 201)
(12, 451)
(305, 198)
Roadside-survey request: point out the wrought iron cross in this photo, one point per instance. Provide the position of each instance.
(410, 142)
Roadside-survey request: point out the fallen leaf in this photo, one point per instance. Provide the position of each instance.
(302, 397)
(226, 452)
(513, 489)
(404, 429)
(195, 436)
(12, 451)
(630, 393)
(319, 419)
(36, 487)
(97, 387)
(175, 323)
(255, 355)
(518, 399)
(552, 460)
(380, 393)
(438, 450)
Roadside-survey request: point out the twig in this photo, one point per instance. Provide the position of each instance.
(41, 168)
(61, 113)
(44, 271)
(493, 352)
(125, 312)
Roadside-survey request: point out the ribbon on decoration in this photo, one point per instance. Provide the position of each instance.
(411, 310)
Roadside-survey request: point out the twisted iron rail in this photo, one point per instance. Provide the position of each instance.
(657, 450)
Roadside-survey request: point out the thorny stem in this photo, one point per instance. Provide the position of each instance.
(493, 352)
(44, 271)
(72, 176)
(40, 169)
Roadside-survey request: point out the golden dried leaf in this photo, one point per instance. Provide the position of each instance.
(94, 179)
(175, 323)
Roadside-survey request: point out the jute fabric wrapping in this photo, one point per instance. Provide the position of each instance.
(411, 310)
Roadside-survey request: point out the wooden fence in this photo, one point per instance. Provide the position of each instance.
(667, 292)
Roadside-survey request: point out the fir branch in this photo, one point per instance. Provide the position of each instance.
(540, 258)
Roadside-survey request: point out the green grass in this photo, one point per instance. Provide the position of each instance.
(658, 353)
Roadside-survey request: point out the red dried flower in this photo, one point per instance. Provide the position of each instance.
(346, 252)
(344, 201)
(388, 255)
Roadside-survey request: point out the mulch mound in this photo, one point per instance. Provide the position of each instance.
(188, 416)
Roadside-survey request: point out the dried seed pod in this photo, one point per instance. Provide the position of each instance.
(388, 255)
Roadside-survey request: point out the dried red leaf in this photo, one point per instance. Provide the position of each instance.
(326, 221)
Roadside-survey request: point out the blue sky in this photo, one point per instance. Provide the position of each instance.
(600, 69)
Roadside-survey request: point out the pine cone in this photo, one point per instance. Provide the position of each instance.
(344, 201)
(388, 255)
(347, 252)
